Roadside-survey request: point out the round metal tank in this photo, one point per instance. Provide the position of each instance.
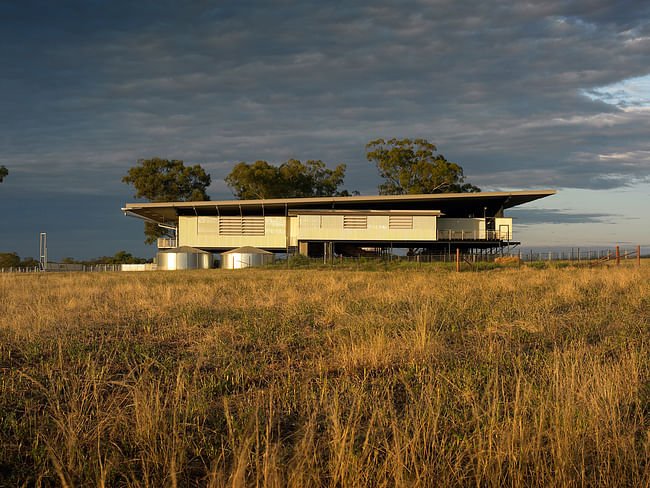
(184, 258)
(245, 257)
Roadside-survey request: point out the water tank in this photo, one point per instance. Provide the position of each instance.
(184, 257)
(245, 257)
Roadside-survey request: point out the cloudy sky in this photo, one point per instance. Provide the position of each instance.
(524, 95)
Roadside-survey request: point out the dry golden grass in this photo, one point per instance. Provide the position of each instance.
(424, 377)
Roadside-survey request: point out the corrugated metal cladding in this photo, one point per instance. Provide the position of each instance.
(241, 226)
(245, 257)
(355, 222)
(184, 258)
(400, 222)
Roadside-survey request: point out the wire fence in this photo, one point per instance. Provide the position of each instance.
(573, 254)
(525, 255)
(87, 268)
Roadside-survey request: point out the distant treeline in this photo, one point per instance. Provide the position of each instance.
(13, 260)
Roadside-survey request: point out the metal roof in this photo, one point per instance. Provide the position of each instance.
(448, 203)
(184, 249)
(247, 250)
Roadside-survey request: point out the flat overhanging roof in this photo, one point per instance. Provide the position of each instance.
(447, 203)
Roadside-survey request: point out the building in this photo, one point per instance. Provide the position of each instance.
(347, 225)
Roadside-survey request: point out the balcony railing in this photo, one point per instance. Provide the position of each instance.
(166, 242)
(473, 235)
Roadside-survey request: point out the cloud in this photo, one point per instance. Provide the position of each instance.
(531, 217)
(507, 90)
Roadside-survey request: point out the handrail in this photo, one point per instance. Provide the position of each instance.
(166, 242)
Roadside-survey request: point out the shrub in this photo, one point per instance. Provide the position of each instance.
(508, 261)
(298, 260)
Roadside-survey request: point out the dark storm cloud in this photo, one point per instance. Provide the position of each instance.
(501, 87)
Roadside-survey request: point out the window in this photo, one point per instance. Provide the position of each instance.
(241, 226)
(400, 222)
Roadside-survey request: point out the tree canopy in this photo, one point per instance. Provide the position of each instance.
(12, 260)
(120, 257)
(3, 173)
(162, 180)
(412, 166)
(292, 178)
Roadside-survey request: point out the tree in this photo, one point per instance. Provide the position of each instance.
(3, 173)
(161, 180)
(292, 179)
(12, 260)
(9, 260)
(29, 262)
(413, 166)
(123, 257)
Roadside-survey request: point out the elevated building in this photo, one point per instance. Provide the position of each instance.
(347, 225)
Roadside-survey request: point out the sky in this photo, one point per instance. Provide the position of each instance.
(523, 95)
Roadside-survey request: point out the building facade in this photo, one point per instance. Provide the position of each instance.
(345, 225)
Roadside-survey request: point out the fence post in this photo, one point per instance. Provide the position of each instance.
(457, 259)
(618, 255)
(638, 255)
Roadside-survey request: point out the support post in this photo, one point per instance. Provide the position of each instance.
(618, 256)
(638, 255)
(43, 251)
(303, 248)
(457, 260)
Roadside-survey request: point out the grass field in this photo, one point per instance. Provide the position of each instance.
(341, 378)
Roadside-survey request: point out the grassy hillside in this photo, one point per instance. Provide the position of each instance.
(420, 377)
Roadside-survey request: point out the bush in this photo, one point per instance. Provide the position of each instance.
(298, 260)
(508, 261)
(9, 260)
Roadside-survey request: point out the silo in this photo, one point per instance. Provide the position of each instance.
(245, 257)
(184, 257)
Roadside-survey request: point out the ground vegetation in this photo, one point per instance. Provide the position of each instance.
(323, 377)
(120, 257)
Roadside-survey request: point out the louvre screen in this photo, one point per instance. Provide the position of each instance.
(355, 222)
(400, 222)
(241, 226)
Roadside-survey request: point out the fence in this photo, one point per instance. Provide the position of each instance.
(88, 268)
(572, 254)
